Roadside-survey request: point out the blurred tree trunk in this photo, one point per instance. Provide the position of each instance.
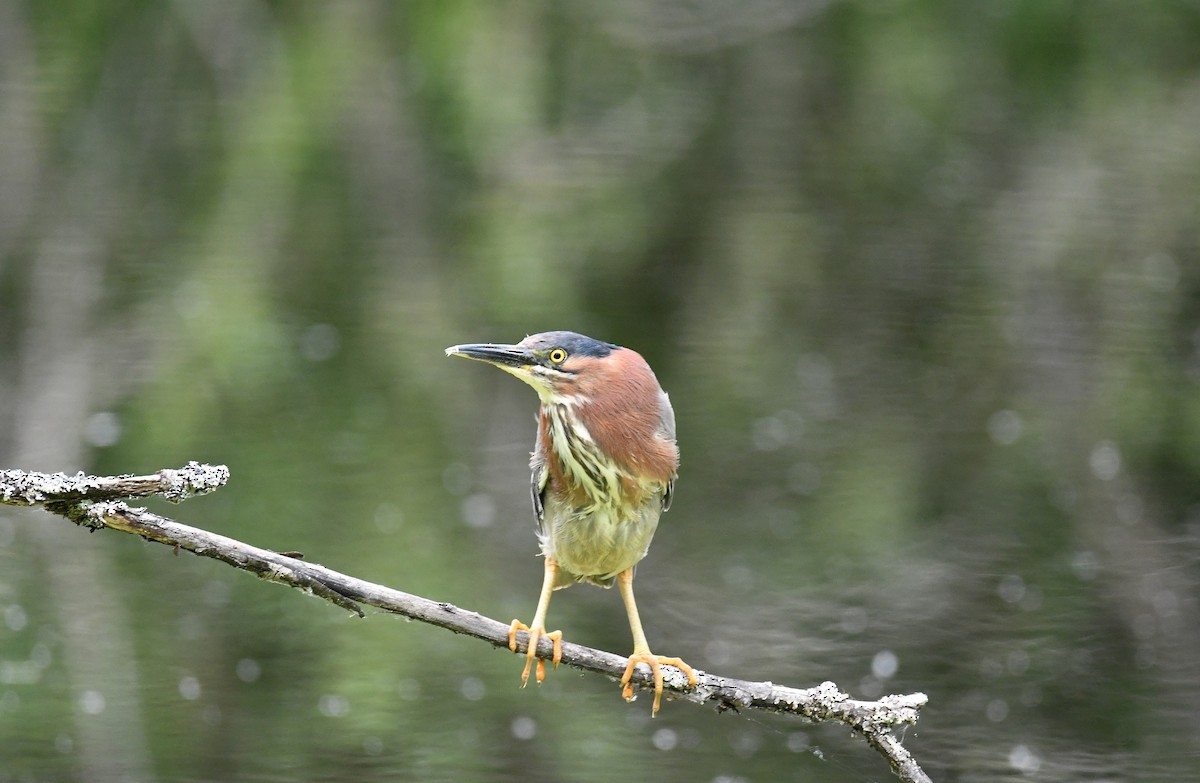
(51, 396)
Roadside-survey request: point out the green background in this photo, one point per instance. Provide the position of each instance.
(922, 279)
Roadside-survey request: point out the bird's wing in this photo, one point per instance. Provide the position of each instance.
(666, 417)
(538, 479)
(666, 428)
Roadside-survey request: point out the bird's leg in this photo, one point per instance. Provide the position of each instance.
(641, 649)
(537, 629)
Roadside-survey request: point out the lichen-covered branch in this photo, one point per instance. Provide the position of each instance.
(21, 488)
(93, 502)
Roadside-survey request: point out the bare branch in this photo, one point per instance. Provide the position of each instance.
(91, 501)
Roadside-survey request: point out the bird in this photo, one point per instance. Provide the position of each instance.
(602, 472)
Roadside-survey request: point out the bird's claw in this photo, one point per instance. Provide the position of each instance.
(535, 635)
(653, 661)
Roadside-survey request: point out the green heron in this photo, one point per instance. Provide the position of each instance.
(603, 469)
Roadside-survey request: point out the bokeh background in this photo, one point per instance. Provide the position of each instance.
(922, 278)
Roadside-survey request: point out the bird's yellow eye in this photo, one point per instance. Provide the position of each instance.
(558, 356)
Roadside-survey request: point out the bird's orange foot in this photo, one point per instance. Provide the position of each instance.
(535, 634)
(649, 658)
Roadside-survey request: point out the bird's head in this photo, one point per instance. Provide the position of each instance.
(556, 364)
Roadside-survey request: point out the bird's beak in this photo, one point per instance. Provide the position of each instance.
(506, 357)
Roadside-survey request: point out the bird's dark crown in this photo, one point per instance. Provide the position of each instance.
(573, 343)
